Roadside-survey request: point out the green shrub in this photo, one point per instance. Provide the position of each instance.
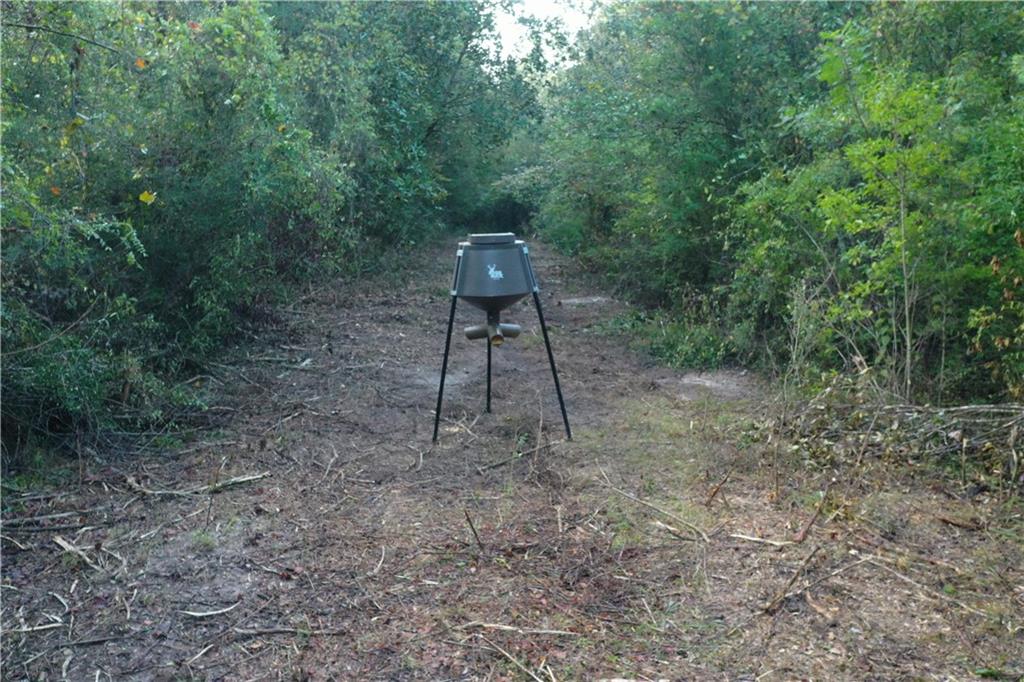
(169, 169)
(857, 167)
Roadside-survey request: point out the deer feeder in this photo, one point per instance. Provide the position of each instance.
(492, 272)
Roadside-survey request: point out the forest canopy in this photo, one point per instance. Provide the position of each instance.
(821, 189)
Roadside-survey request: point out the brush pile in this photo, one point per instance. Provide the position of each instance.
(985, 439)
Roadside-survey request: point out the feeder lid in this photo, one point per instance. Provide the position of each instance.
(493, 238)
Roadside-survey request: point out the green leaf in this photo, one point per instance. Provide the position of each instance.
(831, 70)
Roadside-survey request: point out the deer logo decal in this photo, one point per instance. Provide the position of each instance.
(493, 271)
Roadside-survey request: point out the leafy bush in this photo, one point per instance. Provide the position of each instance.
(685, 340)
(865, 157)
(170, 168)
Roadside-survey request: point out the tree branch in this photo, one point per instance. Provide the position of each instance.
(34, 27)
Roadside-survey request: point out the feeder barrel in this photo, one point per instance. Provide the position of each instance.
(493, 272)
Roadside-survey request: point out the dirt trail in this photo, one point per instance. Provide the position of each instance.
(367, 553)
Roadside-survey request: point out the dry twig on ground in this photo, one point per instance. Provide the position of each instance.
(700, 533)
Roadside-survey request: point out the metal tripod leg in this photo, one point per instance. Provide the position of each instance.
(488, 342)
(444, 367)
(551, 359)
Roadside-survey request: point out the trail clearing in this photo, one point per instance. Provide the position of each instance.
(317, 533)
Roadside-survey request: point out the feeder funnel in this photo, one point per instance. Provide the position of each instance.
(492, 272)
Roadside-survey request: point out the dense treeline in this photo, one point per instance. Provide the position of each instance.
(816, 187)
(168, 167)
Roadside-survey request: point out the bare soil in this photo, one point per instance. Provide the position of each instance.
(318, 534)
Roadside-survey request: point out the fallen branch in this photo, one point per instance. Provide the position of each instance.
(238, 480)
(781, 595)
(327, 469)
(716, 489)
(49, 529)
(71, 549)
(256, 632)
(518, 455)
(37, 628)
(511, 658)
(960, 523)
(927, 590)
(97, 640)
(32, 520)
(207, 614)
(802, 535)
(673, 531)
(14, 542)
(473, 528)
(199, 655)
(212, 488)
(419, 463)
(674, 517)
(380, 563)
(521, 631)
(833, 574)
(764, 541)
